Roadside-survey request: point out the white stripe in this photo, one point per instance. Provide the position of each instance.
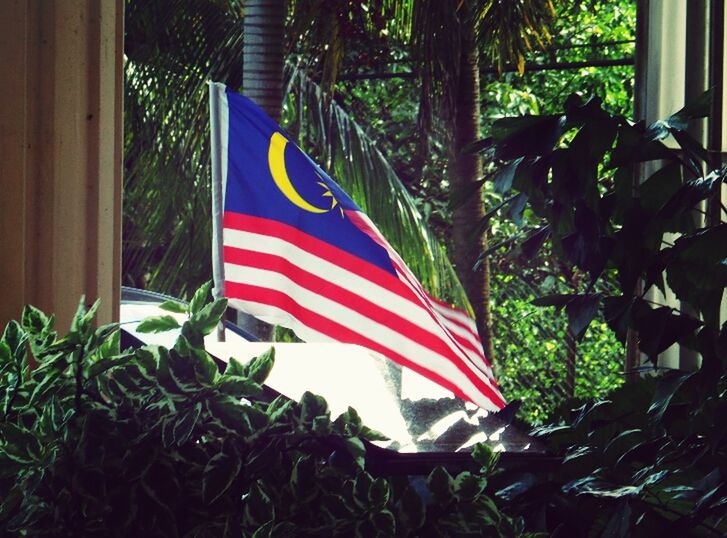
(406, 276)
(415, 313)
(464, 332)
(352, 319)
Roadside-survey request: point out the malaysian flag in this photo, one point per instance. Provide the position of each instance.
(299, 253)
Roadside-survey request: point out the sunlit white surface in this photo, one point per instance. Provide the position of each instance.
(415, 413)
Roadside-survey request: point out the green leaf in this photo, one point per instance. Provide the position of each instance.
(174, 306)
(279, 408)
(219, 474)
(361, 489)
(468, 486)
(384, 522)
(235, 368)
(303, 479)
(357, 450)
(581, 310)
(47, 382)
(619, 524)
(259, 368)
(200, 298)
(15, 337)
(379, 493)
(205, 367)
(485, 457)
(527, 135)
(109, 337)
(259, 508)
(184, 426)
(206, 319)
(665, 391)
(157, 324)
(502, 182)
(264, 531)
(35, 321)
(698, 108)
(6, 354)
(104, 365)
(411, 509)
(238, 386)
(440, 484)
(20, 444)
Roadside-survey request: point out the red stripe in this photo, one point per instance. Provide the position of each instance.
(340, 257)
(342, 333)
(317, 247)
(339, 294)
(362, 223)
(445, 310)
(349, 262)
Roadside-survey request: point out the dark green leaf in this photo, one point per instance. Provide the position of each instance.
(468, 486)
(478, 146)
(35, 321)
(184, 426)
(485, 457)
(303, 479)
(259, 508)
(312, 406)
(219, 474)
(379, 493)
(665, 391)
(698, 108)
(581, 311)
(502, 182)
(440, 484)
(411, 509)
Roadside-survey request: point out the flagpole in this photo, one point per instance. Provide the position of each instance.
(218, 268)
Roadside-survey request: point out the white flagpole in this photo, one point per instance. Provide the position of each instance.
(218, 268)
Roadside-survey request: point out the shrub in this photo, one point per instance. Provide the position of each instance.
(96, 441)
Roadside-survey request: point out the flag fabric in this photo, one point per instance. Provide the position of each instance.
(299, 253)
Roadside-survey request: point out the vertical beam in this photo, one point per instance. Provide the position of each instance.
(696, 67)
(60, 148)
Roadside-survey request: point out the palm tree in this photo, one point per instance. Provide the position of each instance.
(448, 39)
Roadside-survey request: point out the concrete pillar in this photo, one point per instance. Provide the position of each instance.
(61, 132)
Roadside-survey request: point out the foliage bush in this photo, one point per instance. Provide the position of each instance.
(533, 348)
(649, 461)
(652, 459)
(96, 441)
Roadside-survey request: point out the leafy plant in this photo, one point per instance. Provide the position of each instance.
(650, 460)
(576, 171)
(96, 441)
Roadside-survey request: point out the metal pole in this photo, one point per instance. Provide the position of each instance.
(218, 269)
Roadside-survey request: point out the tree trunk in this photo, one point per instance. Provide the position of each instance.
(464, 171)
(262, 74)
(262, 81)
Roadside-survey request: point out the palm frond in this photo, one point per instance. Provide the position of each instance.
(327, 132)
(172, 48)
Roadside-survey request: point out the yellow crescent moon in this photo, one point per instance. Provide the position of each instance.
(276, 162)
